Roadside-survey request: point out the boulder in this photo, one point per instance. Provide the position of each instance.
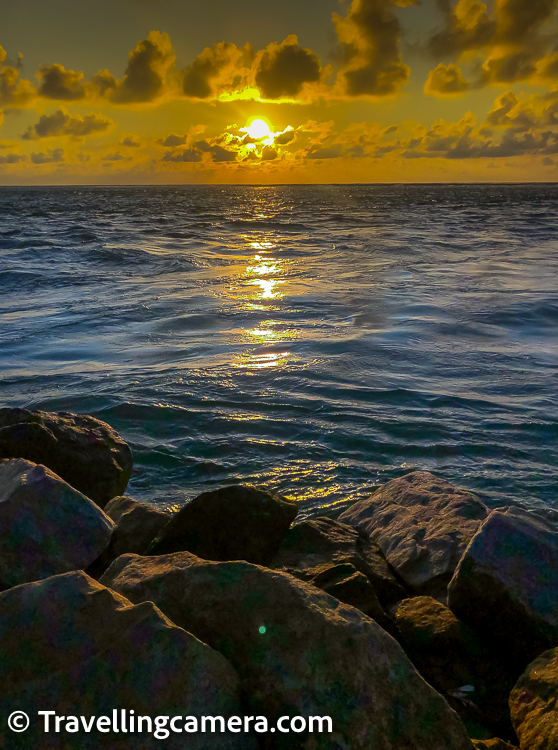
(83, 451)
(452, 658)
(350, 586)
(137, 524)
(232, 523)
(298, 652)
(46, 526)
(506, 584)
(312, 547)
(534, 704)
(422, 525)
(72, 646)
(493, 744)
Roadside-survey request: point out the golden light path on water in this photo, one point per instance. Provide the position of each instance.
(266, 288)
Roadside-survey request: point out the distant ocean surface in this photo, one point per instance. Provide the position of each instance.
(316, 340)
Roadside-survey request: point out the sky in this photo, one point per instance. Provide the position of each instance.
(296, 91)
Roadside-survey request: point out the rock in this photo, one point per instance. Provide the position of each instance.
(422, 525)
(46, 526)
(86, 453)
(506, 585)
(72, 646)
(299, 652)
(452, 658)
(314, 546)
(137, 524)
(347, 584)
(534, 704)
(493, 744)
(232, 523)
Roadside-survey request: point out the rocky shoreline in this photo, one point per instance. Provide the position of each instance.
(418, 620)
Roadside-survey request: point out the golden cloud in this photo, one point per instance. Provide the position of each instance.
(55, 82)
(283, 69)
(445, 81)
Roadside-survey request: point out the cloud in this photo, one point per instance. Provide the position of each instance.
(369, 36)
(513, 39)
(329, 152)
(12, 158)
(50, 157)
(445, 81)
(269, 153)
(55, 82)
(283, 69)
(286, 137)
(467, 26)
(219, 67)
(131, 141)
(14, 91)
(63, 124)
(116, 156)
(145, 76)
(173, 140)
(188, 155)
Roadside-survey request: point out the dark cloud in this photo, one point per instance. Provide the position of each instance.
(63, 124)
(57, 155)
(283, 138)
(446, 81)
(369, 37)
(467, 26)
(12, 158)
(55, 82)
(145, 75)
(116, 156)
(284, 68)
(173, 140)
(188, 155)
(131, 141)
(329, 152)
(216, 66)
(268, 153)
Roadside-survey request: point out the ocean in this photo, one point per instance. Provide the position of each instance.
(315, 340)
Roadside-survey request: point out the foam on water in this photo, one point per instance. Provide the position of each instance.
(316, 340)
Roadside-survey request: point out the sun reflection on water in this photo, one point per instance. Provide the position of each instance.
(263, 288)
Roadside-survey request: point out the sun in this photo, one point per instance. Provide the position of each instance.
(258, 129)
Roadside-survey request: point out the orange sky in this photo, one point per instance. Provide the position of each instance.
(361, 91)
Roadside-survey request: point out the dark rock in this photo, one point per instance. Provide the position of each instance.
(422, 525)
(506, 585)
(299, 652)
(137, 524)
(534, 704)
(314, 546)
(86, 453)
(46, 526)
(72, 646)
(450, 656)
(232, 523)
(347, 584)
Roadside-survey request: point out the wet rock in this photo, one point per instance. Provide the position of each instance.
(452, 658)
(232, 523)
(137, 524)
(46, 526)
(352, 587)
(314, 546)
(83, 451)
(506, 585)
(493, 744)
(422, 525)
(299, 652)
(86, 651)
(534, 704)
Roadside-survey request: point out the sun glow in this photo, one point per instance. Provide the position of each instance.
(258, 129)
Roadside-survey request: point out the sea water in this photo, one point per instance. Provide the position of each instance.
(315, 340)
